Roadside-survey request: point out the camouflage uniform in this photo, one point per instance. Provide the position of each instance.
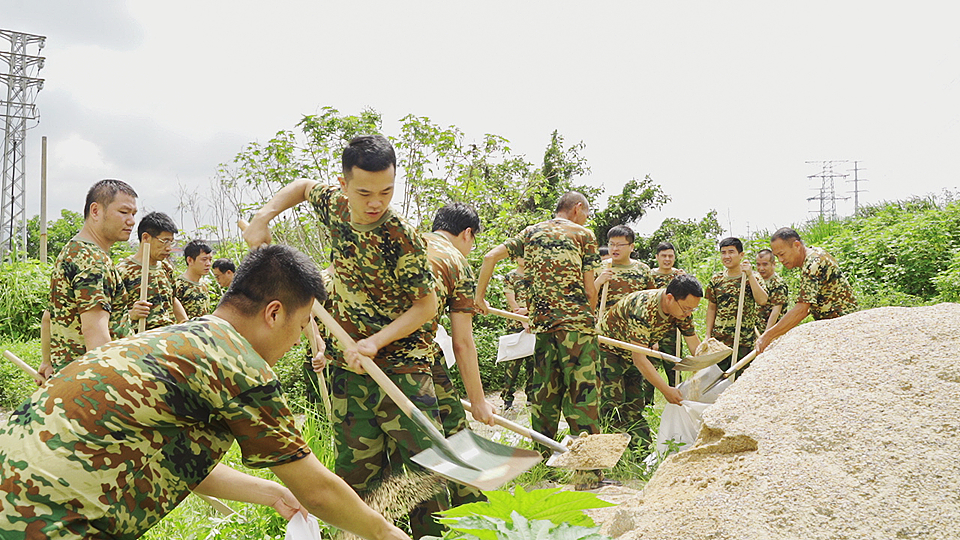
(725, 293)
(627, 278)
(557, 253)
(121, 436)
(660, 281)
(519, 285)
(380, 269)
(194, 296)
(159, 289)
(637, 318)
(668, 344)
(777, 294)
(83, 278)
(824, 287)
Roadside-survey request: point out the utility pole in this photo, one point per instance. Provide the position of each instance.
(856, 186)
(16, 110)
(827, 196)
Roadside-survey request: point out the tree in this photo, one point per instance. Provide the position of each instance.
(694, 240)
(637, 197)
(59, 232)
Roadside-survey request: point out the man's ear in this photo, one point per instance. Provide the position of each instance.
(343, 183)
(271, 313)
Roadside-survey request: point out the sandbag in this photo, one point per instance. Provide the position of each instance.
(303, 528)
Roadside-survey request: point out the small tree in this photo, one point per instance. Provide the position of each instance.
(59, 232)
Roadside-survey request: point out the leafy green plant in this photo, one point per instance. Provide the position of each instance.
(24, 288)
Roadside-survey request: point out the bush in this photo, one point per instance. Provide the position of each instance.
(15, 385)
(24, 290)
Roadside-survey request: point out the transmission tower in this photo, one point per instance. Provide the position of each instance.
(856, 186)
(827, 196)
(16, 110)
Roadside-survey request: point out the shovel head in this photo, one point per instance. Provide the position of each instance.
(696, 363)
(493, 464)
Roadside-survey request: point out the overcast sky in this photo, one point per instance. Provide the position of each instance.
(721, 103)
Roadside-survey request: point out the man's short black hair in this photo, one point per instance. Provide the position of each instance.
(155, 223)
(786, 234)
(224, 265)
(455, 218)
(732, 241)
(274, 272)
(194, 247)
(372, 153)
(767, 253)
(663, 246)
(621, 231)
(683, 286)
(570, 199)
(103, 193)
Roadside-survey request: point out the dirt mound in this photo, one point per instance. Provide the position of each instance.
(847, 428)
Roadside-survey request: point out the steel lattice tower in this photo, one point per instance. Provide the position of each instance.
(16, 110)
(827, 196)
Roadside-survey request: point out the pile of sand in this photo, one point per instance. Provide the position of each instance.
(847, 429)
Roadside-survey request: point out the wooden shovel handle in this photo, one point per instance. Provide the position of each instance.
(522, 430)
(736, 335)
(144, 279)
(24, 366)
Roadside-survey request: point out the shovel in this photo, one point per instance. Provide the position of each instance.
(690, 363)
(733, 369)
(605, 461)
(465, 457)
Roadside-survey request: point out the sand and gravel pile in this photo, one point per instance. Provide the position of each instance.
(844, 429)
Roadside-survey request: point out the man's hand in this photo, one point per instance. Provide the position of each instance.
(140, 310)
(481, 306)
(605, 276)
(45, 370)
(745, 266)
(483, 412)
(320, 359)
(764, 341)
(287, 505)
(673, 395)
(257, 233)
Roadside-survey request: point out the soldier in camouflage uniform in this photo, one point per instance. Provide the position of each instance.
(723, 297)
(643, 318)
(81, 459)
(158, 229)
(562, 259)
(662, 275)
(823, 291)
(223, 270)
(87, 296)
(516, 289)
(384, 296)
(189, 289)
(778, 294)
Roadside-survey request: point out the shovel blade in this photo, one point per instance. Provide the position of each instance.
(492, 464)
(696, 363)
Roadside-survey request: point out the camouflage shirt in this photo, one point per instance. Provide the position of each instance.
(456, 283)
(194, 296)
(159, 289)
(660, 281)
(380, 270)
(824, 287)
(638, 318)
(725, 293)
(557, 253)
(630, 277)
(118, 438)
(83, 278)
(519, 284)
(777, 294)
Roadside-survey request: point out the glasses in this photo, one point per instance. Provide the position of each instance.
(165, 241)
(686, 310)
(611, 244)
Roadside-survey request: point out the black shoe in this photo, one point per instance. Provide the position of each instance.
(507, 405)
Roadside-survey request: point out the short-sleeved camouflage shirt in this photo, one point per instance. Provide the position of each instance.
(638, 318)
(119, 437)
(660, 281)
(824, 287)
(725, 293)
(557, 253)
(381, 269)
(456, 283)
(159, 289)
(83, 278)
(194, 296)
(777, 294)
(519, 284)
(630, 277)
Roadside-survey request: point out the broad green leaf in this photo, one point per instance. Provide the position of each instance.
(540, 504)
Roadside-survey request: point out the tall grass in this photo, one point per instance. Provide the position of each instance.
(24, 289)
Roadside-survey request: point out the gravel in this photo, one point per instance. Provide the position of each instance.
(843, 429)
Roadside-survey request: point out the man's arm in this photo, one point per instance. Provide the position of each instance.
(490, 261)
(515, 307)
(329, 498)
(790, 319)
(651, 374)
(225, 482)
(465, 350)
(422, 310)
(711, 317)
(759, 293)
(294, 193)
(774, 315)
(693, 342)
(46, 365)
(179, 313)
(95, 327)
(591, 289)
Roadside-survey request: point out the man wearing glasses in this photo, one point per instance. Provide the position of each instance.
(644, 318)
(156, 230)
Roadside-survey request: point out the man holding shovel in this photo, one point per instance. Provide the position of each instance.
(823, 292)
(117, 439)
(778, 293)
(731, 312)
(644, 318)
(662, 275)
(87, 296)
(385, 295)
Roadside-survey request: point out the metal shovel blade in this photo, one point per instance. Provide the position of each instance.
(585, 459)
(491, 464)
(696, 363)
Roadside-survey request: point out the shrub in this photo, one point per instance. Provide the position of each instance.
(24, 290)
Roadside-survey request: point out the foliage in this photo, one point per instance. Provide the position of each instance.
(15, 385)
(518, 528)
(59, 232)
(637, 197)
(695, 240)
(24, 289)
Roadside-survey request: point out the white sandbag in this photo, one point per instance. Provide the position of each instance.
(679, 426)
(303, 528)
(513, 346)
(445, 342)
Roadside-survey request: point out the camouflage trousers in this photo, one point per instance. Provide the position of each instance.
(513, 375)
(565, 381)
(728, 362)
(623, 395)
(454, 419)
(370, 430)
(667, 345)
